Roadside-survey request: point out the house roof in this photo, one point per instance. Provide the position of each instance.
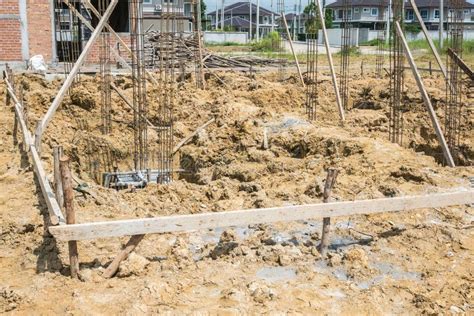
(237, 21)
(435, 4)
(242, 8)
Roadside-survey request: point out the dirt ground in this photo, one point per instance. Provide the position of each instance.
(411, 262)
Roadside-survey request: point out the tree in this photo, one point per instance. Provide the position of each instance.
(312, 23)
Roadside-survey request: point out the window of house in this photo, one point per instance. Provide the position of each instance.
(436, 14)
(409, 15)
(119, 18)
(147, 1)
(356, 10)
(366, 10)
(340, 14)
(374, 12)
(265, 19)
(424, 14)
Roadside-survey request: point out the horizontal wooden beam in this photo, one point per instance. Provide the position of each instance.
(192, 222)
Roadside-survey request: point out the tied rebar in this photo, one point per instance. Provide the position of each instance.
(140, 147)
(397, 60)
(105, 75)
(454, 84)
(312, 74)
(280, 45)
(346, 29)
(198, 37)
(172, 29)
(380, 54)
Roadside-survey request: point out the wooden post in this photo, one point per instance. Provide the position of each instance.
(70, 213)
(426, 98)
(58, 184)
(330, 181)
(293, 50)
(362, 68)
(148, 175)
(38, 137)
(129, 247)
(331, 64)
(431, 71)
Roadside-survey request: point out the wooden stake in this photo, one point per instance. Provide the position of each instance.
(70, 213)
(293, 51)
(426, 98)
(58, 184)
(129, 247)
(362, 68)
(330, 181)
(265, 138)
(38, 137)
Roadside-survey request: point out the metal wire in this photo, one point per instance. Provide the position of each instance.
(396, 77)
(346, 30)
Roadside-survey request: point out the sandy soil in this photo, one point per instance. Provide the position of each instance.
(411, 262)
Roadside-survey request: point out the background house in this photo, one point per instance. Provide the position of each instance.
(237, 17)
(372, 14)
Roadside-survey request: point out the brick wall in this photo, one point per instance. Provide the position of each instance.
(39, 29)
(10, 33)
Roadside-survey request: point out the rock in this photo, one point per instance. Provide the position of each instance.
(284, 260)
(261, 293)
(356, 256)
(335, 259)
(227, 243)
(134, 265)
(86, 275)
(9, 299)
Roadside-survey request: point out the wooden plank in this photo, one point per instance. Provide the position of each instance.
(426, 98)
(192, 222)
(468, 71)
(428, 38)
(331, 64)
(293, 50)
(55, 215)
(75, 69)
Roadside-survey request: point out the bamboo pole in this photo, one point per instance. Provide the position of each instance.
(330, 181)
(70, 213)
(428, 38)
(426, 98)
(293, 50)
(129, 247)
(331, 64)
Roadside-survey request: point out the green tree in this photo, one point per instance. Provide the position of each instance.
(312, 23)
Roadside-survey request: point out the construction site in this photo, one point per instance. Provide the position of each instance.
(147, 173)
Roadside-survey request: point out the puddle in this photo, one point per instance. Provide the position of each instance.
(276, 274)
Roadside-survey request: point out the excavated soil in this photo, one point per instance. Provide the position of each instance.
(410, 262)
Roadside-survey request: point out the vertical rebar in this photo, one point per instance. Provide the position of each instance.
(105, 75)
(396, 76)
(312, 68)
(140, 149)
(346, 30)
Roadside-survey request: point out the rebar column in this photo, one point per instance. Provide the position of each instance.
(312, 68)
(345, 52)
(396, 77)
(454, 84)
(140, 148)
(105, 76)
